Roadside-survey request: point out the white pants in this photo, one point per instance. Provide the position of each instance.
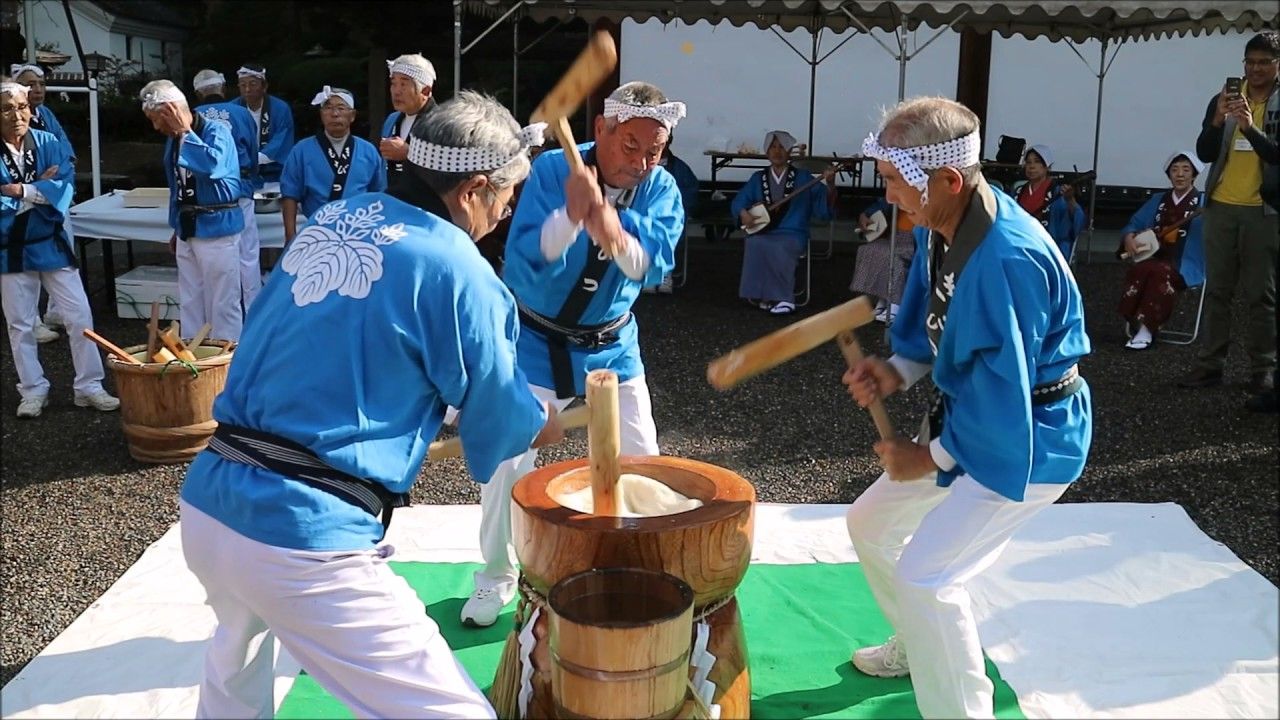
(918, 545)
(639, 436)
(21, 298)
(250, 267)
(209, 286)
(353, 625)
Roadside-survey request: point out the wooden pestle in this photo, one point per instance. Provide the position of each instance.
(604, 441)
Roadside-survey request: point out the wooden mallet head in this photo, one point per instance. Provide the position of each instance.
(586, 73)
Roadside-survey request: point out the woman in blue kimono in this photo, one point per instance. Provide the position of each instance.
(770, 256)
(1052, 203)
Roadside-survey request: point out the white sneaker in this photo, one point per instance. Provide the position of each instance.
(103, 401)
(667, 286)
(32, 407)
(885, 661)
(483, 608)
(54, 320)
(44, 334)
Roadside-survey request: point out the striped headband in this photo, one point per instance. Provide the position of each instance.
(912, 162)
(668, 113)
(470, 159)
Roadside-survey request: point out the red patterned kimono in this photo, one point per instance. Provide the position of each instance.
(1152, 286)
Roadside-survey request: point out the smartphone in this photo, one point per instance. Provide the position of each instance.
(1233, 86)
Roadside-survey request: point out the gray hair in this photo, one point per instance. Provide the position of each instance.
(636, 92)
(158, 92)
(471, 119)
(927, 121)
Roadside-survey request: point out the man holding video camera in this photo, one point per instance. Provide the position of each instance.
(1241, 229)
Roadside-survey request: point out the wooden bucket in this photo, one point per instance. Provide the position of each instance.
(620, 644)
(709, 548)
(166, 411)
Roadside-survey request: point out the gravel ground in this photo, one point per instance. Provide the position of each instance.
(77, 511)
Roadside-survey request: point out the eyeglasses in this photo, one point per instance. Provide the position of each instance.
(1260, 63)
(14, 109)
(335, 109)
(493, 198)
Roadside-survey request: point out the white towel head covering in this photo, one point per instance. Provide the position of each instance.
(1187, 155)
(415, 67)
(17, 69)
(913, 162)
(786, 139)
(470, 159)
(246, 71)
(328, 92)
(1043, 151)
(14, 89)
(159, 92)
(208, 78)
(668, 113)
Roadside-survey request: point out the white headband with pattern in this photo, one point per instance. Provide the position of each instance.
(215, 80)
(329, 92)
(13, 88)
(424, 77)
(668, 113)
(250, 72)
(470, 159)
(912, 162)
(17, 69)
(155, 98)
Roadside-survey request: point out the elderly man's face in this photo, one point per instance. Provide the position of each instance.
(626, 154)
(405, 96)
(252, 89)
(337, 116)
(944, 194)
(899, 192)
(15, 115)
(35, 87)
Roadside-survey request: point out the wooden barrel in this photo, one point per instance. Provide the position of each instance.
(166, 410)
(620, 644)
(709, 548)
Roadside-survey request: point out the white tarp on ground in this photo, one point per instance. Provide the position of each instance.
(1103, 610)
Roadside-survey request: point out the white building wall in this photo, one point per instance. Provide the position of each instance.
(741, 82)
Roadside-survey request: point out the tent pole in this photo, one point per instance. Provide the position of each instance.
(95, 153)
(813, 79)
(457, 46)
(893, 216)
(1097, 134)
(515, 65)
(29, 23)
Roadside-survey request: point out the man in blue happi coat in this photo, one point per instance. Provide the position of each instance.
(210, 87)
(582, 245)
(993, 310)
(203, 171)
(36, 180)
(271, 116)
(412, 78)
(330, 165)
(284, 516)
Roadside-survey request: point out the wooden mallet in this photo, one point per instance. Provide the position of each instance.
(791, 341)
(585, 74)
(575, 417)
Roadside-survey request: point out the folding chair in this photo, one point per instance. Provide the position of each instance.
(1179, 337)
(803, 296)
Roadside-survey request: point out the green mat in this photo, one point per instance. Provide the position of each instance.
(802, 621)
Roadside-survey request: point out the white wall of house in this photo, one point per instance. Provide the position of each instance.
(741, 82)
(156, 48)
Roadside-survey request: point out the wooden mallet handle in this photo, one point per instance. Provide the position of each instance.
(604, 441)
(575, 417)
(852, 352)
(795, 339)
(565, 134)
(111, 347)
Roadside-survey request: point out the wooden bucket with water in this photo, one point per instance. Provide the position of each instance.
(620, 644)
(166, 410)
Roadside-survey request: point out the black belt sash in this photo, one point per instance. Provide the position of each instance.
(294, 461)
(559, 338)
(1044, 394)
